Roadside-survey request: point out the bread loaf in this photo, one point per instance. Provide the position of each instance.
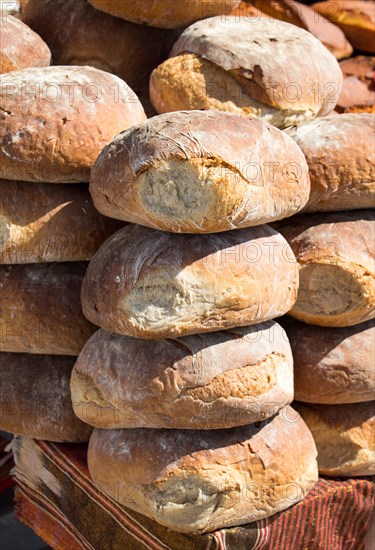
(335, 253)
(358, 89)
(344, 436)
(40, 309)
(332, 365)
(54, 121)
(254, 67)
(200, 172)
(193, 481)
(78, 34)
(151, 285)
(340, 154)
(205, 381)
(164, 13)
(303, 16)
(43, 222)
(21, 47)
(35, 397)
(355, 17)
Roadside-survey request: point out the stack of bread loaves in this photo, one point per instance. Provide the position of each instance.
(334, 361)
(53, 123)
(188, 381)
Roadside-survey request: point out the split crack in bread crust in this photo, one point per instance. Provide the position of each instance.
(200, 172)
(197, 482)
(344, 436)
(150, 284)
(49, 223)
(21, 47)
(54, 121)
(332, 365)
(35, 398)
(164, 13)
(189, 383)
(340, 154)
(335, 253)
(305, 84)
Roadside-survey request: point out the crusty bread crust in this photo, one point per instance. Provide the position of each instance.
(150, 284)
(205, 381)
(195, 482)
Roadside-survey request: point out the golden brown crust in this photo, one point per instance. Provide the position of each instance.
(40, 309)
(150, 284)
(335, 253)
(344, 436)
(195, 482)
(35, 398)
(49, 223)
(355, 17)
(358, 89)
(164, 13)
(253, 51)
(54, 121)
(340, 154)
(200, 172)
(303, 16)
(78, 34)
(332, 365)
(21, 47)
(205, 381)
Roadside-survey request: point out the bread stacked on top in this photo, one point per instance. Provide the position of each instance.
(334, 246)
(53, 123)
(189, 379)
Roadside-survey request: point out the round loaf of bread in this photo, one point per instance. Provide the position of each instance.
(21, 47)
(303, 16)
(193, 481)
(332, 365)
(35, 398)
(358, 89)
(43, 222)
(54, 121)
(336, 257)
(200, 172)
(40, 309)
(164, 13)
(204, 381)
(253, 67)
(78, 34)
(151, 285)
(344, 436)
(340, 154)
(355, 17)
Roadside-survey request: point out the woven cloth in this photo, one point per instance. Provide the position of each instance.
(56, 497)
(6, 464)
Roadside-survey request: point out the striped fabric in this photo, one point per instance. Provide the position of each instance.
(6, 464)
(56, 497)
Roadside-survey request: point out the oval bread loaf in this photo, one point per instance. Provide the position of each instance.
(254, 67)
(204, 381)
(332, 365)
(54, 121)
(336, 257)
(40, 309)
(200, 172)
(43, 222)
(151, 285)
(21, 47)
(164, 13)
(78, 34)
(358, 89)
(35, 398)
(344, 436)
(340, 154)
(193, 481)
